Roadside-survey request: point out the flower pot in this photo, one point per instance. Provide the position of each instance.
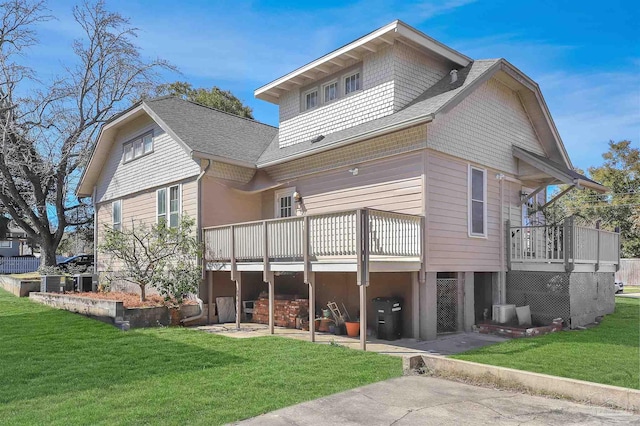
(353, 328)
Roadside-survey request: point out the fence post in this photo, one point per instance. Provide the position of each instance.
(617, 230)
(568, 243)
(597, 266)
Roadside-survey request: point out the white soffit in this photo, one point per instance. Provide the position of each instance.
(353, 53)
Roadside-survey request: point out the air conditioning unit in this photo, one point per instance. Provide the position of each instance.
(503, 313)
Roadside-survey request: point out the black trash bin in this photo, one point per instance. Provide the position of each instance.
(388, 317)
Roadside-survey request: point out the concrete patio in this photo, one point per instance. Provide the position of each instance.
(444, 345)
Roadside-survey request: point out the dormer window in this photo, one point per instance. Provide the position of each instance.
(352, 83)
(311, 99)
(138, 147)
(330, 91)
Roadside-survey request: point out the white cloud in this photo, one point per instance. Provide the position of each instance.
(430, 9)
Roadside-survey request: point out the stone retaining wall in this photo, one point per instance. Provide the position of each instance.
(18, 287)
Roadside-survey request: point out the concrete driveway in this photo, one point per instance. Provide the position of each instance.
(414, 400)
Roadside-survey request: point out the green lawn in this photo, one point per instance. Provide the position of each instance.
(61, 368)
(631, 289)
(608, 353)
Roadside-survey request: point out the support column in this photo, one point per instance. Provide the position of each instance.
(429, 307)
(269, 278)
(363, 317)
(210, 308)
(460, 302)
(311, 281)
(469, 301)
(238, 298)
(415, 304)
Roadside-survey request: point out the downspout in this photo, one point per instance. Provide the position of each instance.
(199, 239)
(502, 281)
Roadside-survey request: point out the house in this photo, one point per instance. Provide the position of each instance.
(14, 240)
(400, 167)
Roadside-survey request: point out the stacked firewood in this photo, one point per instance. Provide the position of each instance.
(285, 312)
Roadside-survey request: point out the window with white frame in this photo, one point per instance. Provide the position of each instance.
(168, 205)
(138, 147)
(161, 205)
(477, 202)
(6, 244)
(311, 99)
(284, 202)
(116, 215)
(330, 91)
(352, 83)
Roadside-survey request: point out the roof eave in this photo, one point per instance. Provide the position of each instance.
(212, 157)
(349, 140)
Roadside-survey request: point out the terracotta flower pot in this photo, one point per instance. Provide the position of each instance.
(353, 328)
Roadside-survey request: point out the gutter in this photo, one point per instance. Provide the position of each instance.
(198, 239)
(362, 136)
(211, 157)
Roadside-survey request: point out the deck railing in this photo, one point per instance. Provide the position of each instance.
(328, 235)
(564, 243)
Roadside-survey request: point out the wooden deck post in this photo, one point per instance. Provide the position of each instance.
(269, 278)
(311, 280)
(362, 275)
(210, 297)
(238, 298)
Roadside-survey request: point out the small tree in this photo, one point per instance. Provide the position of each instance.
(158, 256)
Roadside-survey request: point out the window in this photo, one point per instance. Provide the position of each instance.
(284, 202)
(116, 212)
(5, 244)
(311, 99)
(168, 205)
(138, 147)
(477, 202)
(161, 205)
(174, 206)
(352, 83)
(330, 91)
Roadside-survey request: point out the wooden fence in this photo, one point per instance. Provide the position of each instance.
(629, 271)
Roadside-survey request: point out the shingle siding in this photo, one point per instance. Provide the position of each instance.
(484, 126)
(168, 162)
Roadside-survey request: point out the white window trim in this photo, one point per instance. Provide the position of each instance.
(169, 203)
(470, 202)
(132, 142)
(113, 207)
(329, 83)
(6, 244)
(165, 204)
(304, 98)
(344, 86)
(284, 192)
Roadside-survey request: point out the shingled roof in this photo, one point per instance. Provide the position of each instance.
(212, 132)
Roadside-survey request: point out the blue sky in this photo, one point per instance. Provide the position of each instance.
(585, 55)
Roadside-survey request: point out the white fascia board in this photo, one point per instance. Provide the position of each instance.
(431, 44)
(324, 59)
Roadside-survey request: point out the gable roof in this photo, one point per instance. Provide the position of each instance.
(203, 132)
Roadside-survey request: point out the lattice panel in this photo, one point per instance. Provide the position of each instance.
(447, 306)
(546, 293)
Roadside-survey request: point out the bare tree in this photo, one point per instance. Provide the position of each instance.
(47, 129)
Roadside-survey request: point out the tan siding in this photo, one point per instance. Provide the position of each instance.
(141, 207)
(222, 205)
(449, 246)
(483, 128)
(393, 184)
(167, 163)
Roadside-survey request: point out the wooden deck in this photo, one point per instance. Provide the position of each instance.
(562, 248)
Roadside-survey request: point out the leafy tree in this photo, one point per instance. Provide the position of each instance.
(215, 97)
(48, 126)
(620, 207)
(158, 256)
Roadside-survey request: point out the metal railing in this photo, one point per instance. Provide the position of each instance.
(327, 235)
(564, 243)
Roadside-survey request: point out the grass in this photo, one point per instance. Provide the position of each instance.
(61, 368)
(608, 353)
(27, 276)
(631, 289)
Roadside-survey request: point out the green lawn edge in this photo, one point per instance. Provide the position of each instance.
(608, 353)
(62, 368)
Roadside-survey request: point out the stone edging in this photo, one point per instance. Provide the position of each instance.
(536, 383)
